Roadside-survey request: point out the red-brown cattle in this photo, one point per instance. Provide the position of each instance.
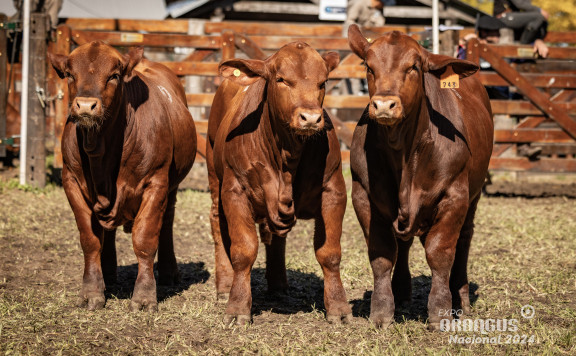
(272, 157)
(419, 158)
(128, 142)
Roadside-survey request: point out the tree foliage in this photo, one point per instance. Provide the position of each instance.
(562, 12)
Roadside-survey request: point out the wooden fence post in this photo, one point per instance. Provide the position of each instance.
(473, 51)
(62, 46)
(228, 45)
(36, 121)
(3, 84)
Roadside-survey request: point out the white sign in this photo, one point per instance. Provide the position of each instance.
(333, 10)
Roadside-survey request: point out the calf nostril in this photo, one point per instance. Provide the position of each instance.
(93, 106)
(310, 118)
(392, 104)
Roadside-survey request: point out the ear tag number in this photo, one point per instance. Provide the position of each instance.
(449, 79)
(236, 72)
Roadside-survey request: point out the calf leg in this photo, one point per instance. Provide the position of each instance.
(223, 267)
(440, 247)
(382, 254)
(108, 259)
(145, 236)
(328, 230)
(401, 279)
(91, 236)
(93, 286)
(224, 272)
(459, 286)
(168, 273)
(276, 264)
(243, 249)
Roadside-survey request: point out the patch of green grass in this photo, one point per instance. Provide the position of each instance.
(523, 252)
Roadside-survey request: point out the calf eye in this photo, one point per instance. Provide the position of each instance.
(114, 76)
(279, 80)
(322, 86)
(413, 68)
(69, 76)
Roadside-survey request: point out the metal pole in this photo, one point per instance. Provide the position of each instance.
(24, 94)
(435, 28)
(3, 85)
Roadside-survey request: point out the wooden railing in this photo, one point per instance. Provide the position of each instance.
(543, 117)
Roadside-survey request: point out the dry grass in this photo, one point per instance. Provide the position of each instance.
(524, 252)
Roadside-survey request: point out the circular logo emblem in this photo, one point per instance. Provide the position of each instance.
(527, 311)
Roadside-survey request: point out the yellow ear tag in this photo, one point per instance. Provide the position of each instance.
(449, 79)
(236, 72)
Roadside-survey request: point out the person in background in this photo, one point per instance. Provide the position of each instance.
(529, 22)
(487, 31)
(51, 7)
(365, 13)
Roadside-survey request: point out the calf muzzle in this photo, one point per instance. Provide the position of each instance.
(308, 122)
(86, 111)
(386, 110)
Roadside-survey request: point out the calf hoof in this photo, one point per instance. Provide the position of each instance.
(434, 326)
(91, 303)
(222, 297)
(240, 320)
(146, 306)
(339, 319)
(381, 321)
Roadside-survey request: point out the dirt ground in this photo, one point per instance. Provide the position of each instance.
(524, 253)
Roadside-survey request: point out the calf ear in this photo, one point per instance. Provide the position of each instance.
(332, 59)
(357, 42)
(243, 71)
(59, 62)
(437, 65)
(131, 59)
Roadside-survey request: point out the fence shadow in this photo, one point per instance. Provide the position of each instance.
(190, 273)
(305, 293)
(418, 310)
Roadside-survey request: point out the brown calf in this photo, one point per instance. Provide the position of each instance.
(273, 156)
(128, 142)
(419, 157)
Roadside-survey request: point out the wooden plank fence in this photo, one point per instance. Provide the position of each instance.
(543, 116)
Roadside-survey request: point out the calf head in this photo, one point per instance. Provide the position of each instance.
(395, 67)
(95, 73)
(295, 78)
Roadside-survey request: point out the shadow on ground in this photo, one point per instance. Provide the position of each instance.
(305, 293)
(190, 273)
(418, 309)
